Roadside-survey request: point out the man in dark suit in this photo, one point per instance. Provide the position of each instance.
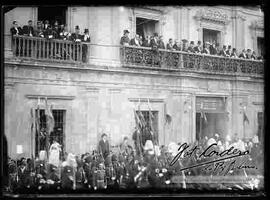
(125, 39)
(229, 51)
(135, 41)
(185, 45)
(170, 44)
(198, 48)
(103, 146)
(154, 41)
(147, 41)
(223, 51)
(28, 30)
(15, 30)
(243, 54)
(191, 47)
(76, 37)
(206, 49)
(177, 46)
(161, 44)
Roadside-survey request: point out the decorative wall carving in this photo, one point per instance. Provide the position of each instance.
(213, 15)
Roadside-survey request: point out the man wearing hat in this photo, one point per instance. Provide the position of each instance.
(15, 29)
(198, 48)
(229, 50)
(223, 51)
(86, 36)
(243, 54)
(39, 30)
(206, 49)
(191, 47)
(76, 37)
(177, 45)
(46, 24)
(125, 38)
(28, 30)
(154, 41)
(135, 41)
(170, 44)
(161, 44)
(234, 53)
(185, 45)
(103, 146)
(249, 53)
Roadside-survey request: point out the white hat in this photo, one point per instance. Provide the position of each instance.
(42, 155)
(148, 145)
(228, 138)
(211, 141)
(255, 139)
(173, 148)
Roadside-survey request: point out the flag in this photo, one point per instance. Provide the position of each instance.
(49, 117)
(245, 117)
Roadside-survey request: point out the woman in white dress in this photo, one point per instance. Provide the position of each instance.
(55, 149)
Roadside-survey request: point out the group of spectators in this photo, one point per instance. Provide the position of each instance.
(50, 31)
(157, 42)
(104, 169)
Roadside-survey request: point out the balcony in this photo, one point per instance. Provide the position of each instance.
(145, 57)
(40, 49)
(36, 48)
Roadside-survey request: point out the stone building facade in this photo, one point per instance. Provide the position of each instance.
(101, 94)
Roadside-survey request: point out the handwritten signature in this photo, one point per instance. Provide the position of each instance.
(184, 151)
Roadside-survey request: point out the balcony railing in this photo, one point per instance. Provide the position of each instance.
(49, 50)
(145, 57)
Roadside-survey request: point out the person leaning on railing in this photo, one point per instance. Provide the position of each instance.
(38, 32)
(15, 30)
(28, 30)
(86, 38)
(161, 44)
(170, 44)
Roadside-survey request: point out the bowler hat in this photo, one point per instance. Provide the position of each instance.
(77, 27)
(86, 30)
(126, 31)
(155, 34)
(104, 134)
(192, 42)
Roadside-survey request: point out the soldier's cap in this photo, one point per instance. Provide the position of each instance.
(192, 42)
(104, 134)
(77, 27)
(126, 31)
(86, 30)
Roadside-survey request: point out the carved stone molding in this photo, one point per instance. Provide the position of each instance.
(60, 97)
(258, 24)
(212, 15)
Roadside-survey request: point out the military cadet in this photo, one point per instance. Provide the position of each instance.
(28, 30)
(103, 146)
(125, 38)
(198, 48)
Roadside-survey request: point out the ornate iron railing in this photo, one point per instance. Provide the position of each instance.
(145, 57)
(49, 49)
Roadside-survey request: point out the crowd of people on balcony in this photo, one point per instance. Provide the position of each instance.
(50, 31)
(157, 42)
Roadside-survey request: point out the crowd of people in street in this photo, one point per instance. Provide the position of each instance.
(157, 42)
(125, 168)
(50, 31)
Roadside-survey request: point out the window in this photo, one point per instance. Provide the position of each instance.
(52, 13)
(150, 125)
(260, 126)
(260, 46)
(145, 27)
(211, 36)
(57, 133)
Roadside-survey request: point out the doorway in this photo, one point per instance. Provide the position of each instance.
(52, 13)
(145, 27)
(211, 36)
